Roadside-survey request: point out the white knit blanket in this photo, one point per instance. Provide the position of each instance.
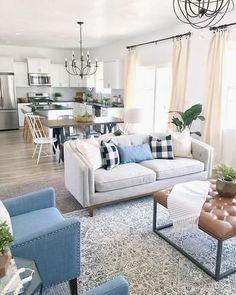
(185, 203)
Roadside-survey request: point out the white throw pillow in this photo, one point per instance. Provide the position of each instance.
(5, 217)
(181, 144)
(90, 149)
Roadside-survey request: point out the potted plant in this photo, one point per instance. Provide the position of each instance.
(57, 95)
(6, 240)
(226, 181)
(185, 119)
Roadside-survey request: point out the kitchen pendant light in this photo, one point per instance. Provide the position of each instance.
(85, 67)
(202, 13)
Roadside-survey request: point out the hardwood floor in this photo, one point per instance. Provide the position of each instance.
(17, 165)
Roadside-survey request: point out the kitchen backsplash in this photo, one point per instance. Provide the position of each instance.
(68, 94)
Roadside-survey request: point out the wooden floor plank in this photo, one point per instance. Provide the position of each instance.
(17, 165)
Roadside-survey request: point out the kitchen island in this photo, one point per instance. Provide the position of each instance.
(53, 111)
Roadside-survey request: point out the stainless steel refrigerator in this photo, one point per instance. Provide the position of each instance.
(8, 104)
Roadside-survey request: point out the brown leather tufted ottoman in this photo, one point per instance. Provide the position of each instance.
(218, 219)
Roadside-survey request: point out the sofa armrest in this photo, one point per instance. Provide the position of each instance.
(79, 176)
(118, 286)
(204, 153)
(56, 251)
(34, 201)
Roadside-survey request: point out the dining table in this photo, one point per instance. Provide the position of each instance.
(63, 125)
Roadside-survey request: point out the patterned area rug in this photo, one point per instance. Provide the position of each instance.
(119, 240)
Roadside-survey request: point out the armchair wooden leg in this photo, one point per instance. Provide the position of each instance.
(73, 287)
(90, 211)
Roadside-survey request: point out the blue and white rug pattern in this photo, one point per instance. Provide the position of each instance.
(119, 240)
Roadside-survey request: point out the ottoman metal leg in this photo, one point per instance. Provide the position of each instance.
(217, 275)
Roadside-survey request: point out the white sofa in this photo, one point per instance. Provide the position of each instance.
(92, 188)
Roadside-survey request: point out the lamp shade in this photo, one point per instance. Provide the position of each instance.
(133, 115)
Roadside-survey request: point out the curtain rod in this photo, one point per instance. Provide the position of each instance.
(156, 41)
(221, 27)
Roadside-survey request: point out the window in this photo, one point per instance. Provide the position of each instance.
(153, 96)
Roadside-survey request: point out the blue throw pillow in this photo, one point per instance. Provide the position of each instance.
(134, 153)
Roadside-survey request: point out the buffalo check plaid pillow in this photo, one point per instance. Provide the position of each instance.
(161, 148)
(110, 155)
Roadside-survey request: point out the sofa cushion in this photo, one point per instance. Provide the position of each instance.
(161, 148)
(90, 149)
(110, 155)
(34, 221)
(134, 153)
(125, 175)
(173, 168)
(182, 143)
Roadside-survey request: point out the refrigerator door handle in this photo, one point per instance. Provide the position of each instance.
(1, 94)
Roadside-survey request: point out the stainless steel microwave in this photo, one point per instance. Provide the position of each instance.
(40, 80)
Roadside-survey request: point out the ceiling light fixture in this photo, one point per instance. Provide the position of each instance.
(202, 13)
(85, 67)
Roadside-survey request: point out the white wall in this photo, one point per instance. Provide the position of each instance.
(20, 53)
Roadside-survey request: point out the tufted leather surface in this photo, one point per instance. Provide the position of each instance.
(218, 215)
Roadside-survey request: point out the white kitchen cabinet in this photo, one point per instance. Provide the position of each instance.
(115, 112)
(60, 78)
(104, 112)
(21, 74)
(76, 81)
(39, 65)
(90, 81)
(6, 64)
(113, 74)
(21, 116)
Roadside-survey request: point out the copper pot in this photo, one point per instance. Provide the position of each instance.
(226, 188)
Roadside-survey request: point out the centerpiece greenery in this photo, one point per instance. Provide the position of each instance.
(6, 240)
(226, 181)
(184, 120)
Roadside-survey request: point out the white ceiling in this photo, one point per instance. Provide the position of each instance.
(52, 23)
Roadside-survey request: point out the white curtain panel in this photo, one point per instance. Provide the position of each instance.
(180, 57)
(212, 133)
(130, 81)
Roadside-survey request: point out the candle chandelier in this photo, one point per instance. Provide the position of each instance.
(83, 66)
(202, 13)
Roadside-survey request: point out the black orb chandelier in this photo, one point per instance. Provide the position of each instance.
(202, 13)
(83, 66)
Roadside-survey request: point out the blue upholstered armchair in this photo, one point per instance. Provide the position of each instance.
(41, 233)
(118, 286)
(53, 242)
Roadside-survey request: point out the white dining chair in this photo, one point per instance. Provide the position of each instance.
(39, 137)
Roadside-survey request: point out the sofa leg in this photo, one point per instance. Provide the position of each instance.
(90, 211)
(73, 287)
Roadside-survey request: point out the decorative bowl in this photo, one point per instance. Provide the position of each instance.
(85, 119)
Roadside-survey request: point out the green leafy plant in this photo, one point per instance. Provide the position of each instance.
(57, 94)
(185, 119)
(6, 238)
(226, 173)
